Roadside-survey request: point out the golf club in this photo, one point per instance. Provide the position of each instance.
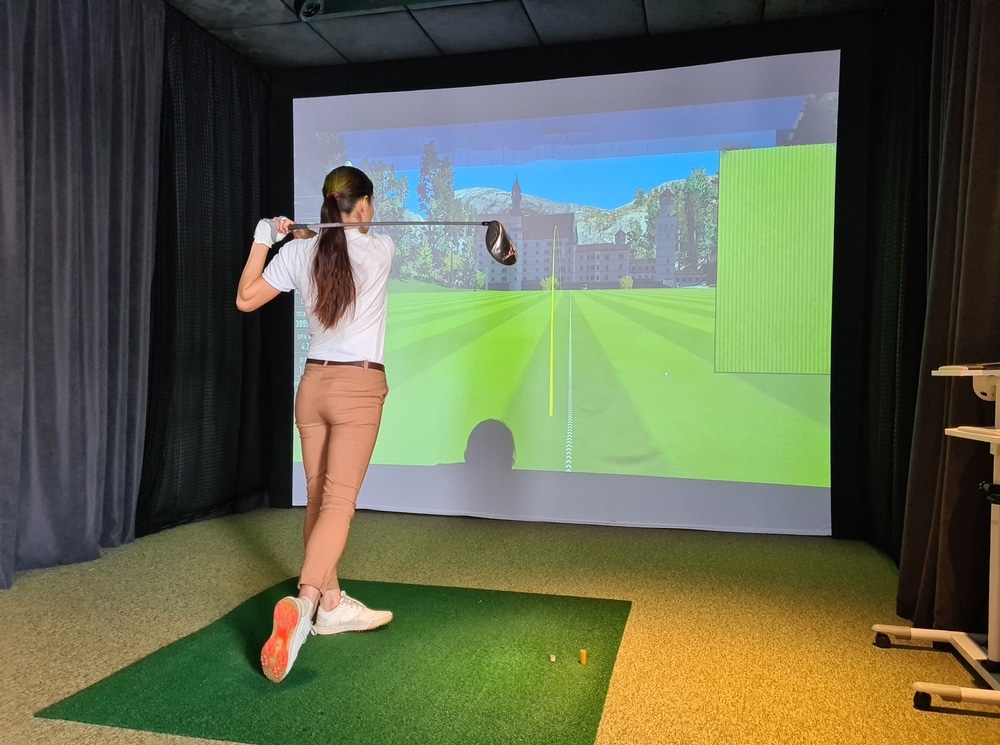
(498, 243)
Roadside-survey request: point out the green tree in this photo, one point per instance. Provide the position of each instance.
(652, 212)
(641, 234)
(626, 282)
(424, 267)
(549, 283)
(451, 271)
(429, 165)
(326, 151)
(697, 208)
(391, 191)
(451, 247)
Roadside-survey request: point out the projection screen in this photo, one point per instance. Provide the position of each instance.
(660, 354)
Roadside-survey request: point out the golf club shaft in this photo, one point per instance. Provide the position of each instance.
(498, 243)
(313, 226)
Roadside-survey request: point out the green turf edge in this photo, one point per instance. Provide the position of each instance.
(457, 665)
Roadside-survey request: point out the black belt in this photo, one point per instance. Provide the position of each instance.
(352, 363)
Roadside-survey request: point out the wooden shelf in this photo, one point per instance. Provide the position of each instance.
(982, 434)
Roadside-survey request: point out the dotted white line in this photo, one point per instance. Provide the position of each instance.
(569, 394)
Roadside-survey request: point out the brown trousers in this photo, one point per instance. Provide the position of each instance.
(338, 410)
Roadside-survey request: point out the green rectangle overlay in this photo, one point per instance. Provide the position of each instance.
(775, 271)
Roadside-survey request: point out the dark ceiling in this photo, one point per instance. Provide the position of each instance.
(342, 32)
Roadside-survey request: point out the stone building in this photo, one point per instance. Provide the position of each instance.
(549, 243)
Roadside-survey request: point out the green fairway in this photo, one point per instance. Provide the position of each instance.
(634, 388)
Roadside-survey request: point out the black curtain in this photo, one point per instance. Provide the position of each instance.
(204, 438)
(80, 92)
(896, 286)
(944, 560)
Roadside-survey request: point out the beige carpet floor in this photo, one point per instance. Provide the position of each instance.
(732, 639)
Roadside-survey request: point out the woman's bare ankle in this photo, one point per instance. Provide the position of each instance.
(312, 594)
(330, 600)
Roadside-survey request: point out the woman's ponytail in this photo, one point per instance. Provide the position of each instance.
(332, 273)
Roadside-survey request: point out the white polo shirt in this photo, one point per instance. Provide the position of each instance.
(359, 335)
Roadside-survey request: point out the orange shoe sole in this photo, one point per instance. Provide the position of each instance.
(274, 655)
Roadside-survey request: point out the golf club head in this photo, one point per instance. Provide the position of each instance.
(499, 245)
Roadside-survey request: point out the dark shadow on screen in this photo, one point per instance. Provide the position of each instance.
(483, 484)
(491, 447)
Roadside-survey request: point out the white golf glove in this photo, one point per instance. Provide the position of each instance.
(266, 233)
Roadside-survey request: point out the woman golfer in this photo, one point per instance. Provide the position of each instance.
(343, 274)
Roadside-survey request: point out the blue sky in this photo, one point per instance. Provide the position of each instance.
(605, 182)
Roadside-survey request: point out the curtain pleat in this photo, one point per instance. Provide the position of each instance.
(87, 141)
(204, 436)
(898, 248)
(13, 22)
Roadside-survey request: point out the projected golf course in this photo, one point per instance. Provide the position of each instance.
(726, 383)
(630, 382)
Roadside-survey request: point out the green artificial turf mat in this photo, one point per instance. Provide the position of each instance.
(456, 665)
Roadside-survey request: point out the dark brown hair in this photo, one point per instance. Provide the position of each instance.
(331, 271)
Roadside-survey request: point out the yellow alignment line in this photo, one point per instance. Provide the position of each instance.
(552, 319)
